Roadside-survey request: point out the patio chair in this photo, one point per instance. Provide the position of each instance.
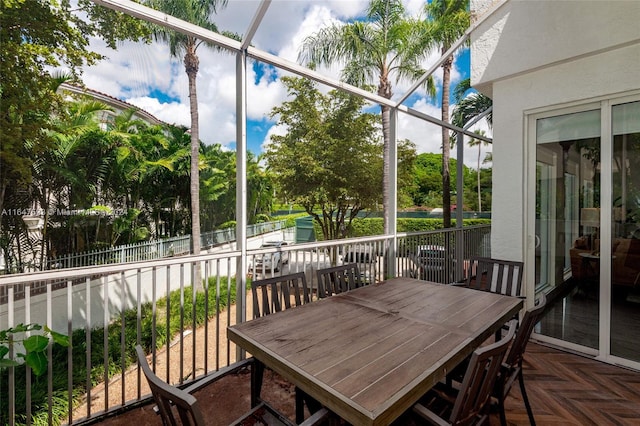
(444, 405)
(512, 366)
(494, 275)
(338, 279)
(178, 407)
(271, 295)
(277, 292)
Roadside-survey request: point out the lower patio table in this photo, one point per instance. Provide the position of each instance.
(369, 354)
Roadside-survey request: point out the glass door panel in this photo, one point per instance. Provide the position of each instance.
(568, 223)
(625, 231)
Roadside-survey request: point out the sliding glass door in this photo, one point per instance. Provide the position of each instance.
(587, 225)
(567, 221)
(625, 231)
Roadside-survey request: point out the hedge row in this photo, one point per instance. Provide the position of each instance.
(365, 227)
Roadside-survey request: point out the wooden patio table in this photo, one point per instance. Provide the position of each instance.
(369, 354)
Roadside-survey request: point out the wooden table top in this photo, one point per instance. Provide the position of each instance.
(369, 354)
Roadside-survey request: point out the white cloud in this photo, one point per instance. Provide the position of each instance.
(169, 112)
(137, 73)
(273, 130)
(426, 136)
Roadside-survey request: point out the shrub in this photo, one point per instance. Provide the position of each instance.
(115, 362)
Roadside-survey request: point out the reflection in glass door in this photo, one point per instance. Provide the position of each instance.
(568, 223)
(544, 223)
(625, 231)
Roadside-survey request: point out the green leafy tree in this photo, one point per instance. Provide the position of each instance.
(260, 189)
(447, 20)
(57, 176)
(386, 46)
(406, 165)
(165, 189)
(37, 35)
(469, 105)
(185, 47)
(329, 160)
(428, 179)
(217, 179)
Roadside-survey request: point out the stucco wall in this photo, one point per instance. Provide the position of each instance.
(582, 80)
(525, 35)
(540, 54)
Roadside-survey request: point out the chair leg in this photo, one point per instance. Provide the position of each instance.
(257, 374)
(525, 398)
(299, 406)
(503, 416)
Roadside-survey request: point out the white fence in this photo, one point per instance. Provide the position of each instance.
(159, 249)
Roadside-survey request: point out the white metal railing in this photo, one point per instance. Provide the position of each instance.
(174, 246)
(107, 310)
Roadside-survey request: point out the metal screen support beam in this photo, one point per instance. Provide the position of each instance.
(459, 205)
(241, 189)
(255, 23)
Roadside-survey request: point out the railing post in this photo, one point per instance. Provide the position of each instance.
(459, 240)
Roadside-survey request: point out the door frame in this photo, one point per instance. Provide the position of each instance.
(604, 104)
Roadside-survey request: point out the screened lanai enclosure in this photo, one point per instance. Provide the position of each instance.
(106, 309)
(178, 305)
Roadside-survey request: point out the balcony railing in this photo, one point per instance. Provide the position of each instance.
(158, 249)
(107, 310)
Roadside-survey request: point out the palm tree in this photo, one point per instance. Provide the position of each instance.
(447, 20)
(468, 108)
(184, 47)
(59, 174)
(479, 143)
(388, 44)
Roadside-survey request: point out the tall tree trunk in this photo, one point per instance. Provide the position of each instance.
(3, 190)
(191, 64)
(386, 155)
(446, 150)
(384, 90)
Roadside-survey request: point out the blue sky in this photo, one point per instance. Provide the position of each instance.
(146, 75)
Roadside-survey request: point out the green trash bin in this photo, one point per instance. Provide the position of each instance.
(304, 230)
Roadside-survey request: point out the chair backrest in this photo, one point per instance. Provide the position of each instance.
(166, 396)
(338, 279)
(529, 321)
(479, 380)
(276, 293)
(495, 275)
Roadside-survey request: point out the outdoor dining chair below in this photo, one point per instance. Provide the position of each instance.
(445, 405)
(272, 295)
(178, 407)
(277, 293)
(494, 275)
(338, 279)
(512, 366)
